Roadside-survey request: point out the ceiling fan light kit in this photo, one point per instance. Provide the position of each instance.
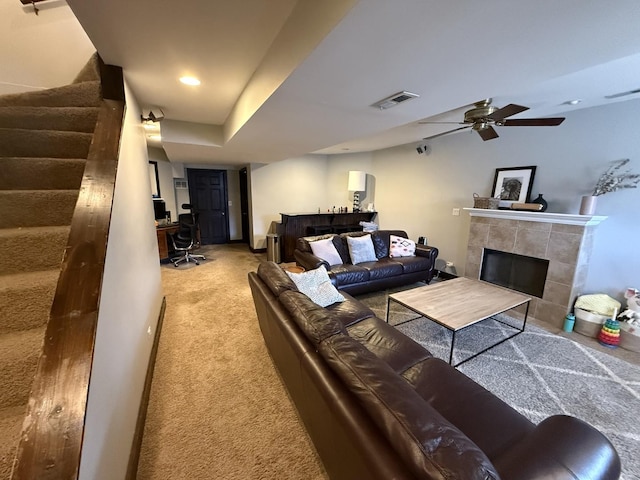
(484, 116)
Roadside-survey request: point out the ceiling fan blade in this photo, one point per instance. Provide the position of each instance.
(507, 111)
(533, 122)
(488, 133)
(446, 133)
(441, 123)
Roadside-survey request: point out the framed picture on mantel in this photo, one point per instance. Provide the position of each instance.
(513, 185)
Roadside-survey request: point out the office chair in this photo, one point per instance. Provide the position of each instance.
(186, 238)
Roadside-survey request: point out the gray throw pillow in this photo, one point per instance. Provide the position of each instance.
(316, 285)
(361, 249)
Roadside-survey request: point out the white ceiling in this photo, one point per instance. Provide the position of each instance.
(282, 78)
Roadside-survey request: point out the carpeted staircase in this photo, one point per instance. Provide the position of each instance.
(44, 142)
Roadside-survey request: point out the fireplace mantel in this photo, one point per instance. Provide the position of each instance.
(564, 218)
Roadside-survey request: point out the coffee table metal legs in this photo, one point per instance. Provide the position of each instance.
(453, 336)
(519, 331)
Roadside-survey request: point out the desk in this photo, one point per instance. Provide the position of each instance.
(163, 241)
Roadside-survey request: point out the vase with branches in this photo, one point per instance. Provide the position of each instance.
(612, 180)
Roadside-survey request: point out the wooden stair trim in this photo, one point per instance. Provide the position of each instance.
(51, 440)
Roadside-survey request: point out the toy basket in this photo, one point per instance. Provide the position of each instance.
(485, 202)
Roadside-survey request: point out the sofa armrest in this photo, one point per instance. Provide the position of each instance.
(427, 251)
(308, 260)
(561, 447)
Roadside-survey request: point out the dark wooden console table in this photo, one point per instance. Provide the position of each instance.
(295, 225)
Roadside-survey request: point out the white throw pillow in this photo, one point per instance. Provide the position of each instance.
(361, 249)
(326, 250)
(401, 247)
(316, 285)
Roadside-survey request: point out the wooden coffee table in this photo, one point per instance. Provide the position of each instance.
(459, 303)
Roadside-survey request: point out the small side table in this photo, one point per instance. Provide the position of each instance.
(294, 268)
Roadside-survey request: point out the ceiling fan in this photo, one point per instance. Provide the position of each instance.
(483, 117)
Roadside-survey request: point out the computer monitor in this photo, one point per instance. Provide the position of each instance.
(159, 208)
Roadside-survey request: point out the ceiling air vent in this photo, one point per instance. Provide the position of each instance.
(394, 100)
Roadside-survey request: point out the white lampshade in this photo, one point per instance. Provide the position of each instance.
(357, 181)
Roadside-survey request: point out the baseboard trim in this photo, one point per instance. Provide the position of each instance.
(258, 250)
(136, 445)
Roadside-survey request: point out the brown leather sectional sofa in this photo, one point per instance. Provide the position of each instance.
(370, 276)
(377, 405)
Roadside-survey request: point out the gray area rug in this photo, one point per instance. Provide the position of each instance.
(539, 374)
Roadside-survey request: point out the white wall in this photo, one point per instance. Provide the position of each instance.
(291, 186)
(40, 51)
(130, 303)
(418, 192)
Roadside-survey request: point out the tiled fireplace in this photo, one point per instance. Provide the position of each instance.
(565, 240)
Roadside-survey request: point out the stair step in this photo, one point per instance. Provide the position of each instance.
(73, 119)
(25, 173)
(19, 353)
(11, 419)
(90, 71)
(32, 249)
(36, 208)
(18, 142)
(84, 94)
(25, 299)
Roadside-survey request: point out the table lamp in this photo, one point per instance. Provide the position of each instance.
(357, 184)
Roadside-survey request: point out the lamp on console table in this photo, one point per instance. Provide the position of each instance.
(357, 183)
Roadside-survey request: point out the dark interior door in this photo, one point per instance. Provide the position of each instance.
(208, 195)
(244, 204)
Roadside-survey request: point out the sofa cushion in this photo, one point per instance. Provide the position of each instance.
(401, 247)
(348, 274)
(350, 312)
(381, 241)
(275, 277)
(326, 250)
(428, 443)
(383, 268)
(316, 322)
(413, 264)
(361, 249)
(459, 399)
(317, 285)
(387, 343)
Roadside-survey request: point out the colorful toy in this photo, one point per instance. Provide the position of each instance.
(609, 335)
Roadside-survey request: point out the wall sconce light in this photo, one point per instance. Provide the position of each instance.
(357, 183)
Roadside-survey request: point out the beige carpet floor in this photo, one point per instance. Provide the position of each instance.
(218, 409)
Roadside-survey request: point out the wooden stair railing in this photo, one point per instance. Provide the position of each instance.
(52, 434)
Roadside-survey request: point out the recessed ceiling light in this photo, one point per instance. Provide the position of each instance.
(193, 81)
(573, 102)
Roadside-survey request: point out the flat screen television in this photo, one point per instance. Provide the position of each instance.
(159, 208)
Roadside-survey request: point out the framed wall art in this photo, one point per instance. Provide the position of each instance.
(513, 185)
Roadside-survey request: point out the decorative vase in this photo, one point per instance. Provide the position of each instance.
(541, 201)
(588, 205)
